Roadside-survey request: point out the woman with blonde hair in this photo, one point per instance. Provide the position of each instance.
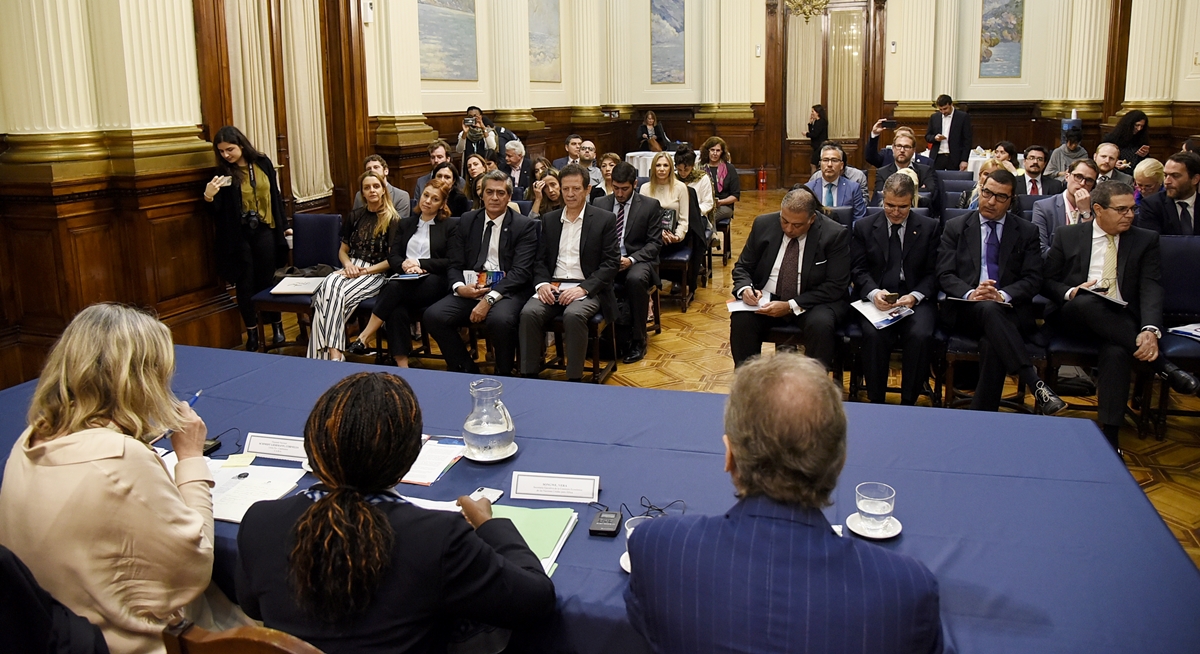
(671, 193)
(90, 507)
(1148, 178)
(969, 199)
(912, 174)
(366, 237)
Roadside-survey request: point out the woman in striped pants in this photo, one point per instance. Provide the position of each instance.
(365, 237)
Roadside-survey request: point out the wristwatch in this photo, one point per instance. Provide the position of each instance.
(490, 299)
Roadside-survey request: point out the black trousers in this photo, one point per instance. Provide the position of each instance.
(1001, 332)
(257, 274)
(635, 288)
(400, 302)
(1114, 329)
(748, 330)
(942, 161)
(449, 314)
(914, 335)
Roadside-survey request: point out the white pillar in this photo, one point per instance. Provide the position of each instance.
(508, 32)
(1150, 74)
(393, 51)
(710, 56)
(587, 42)
(945, 50)
(737, 56)
(909, 70)
(1058, 13)
(46, 81)
(620, 58)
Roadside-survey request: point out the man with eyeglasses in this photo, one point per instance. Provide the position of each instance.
(990, 266)
(903, 150)
(1102, 279)
(1174, 212)
(832, 187)
(1069, 207)
(587, 159)
(1033, 182)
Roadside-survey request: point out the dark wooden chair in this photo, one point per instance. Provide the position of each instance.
(186, 638)
(315, 241)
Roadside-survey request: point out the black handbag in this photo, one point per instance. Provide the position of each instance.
(669, 219)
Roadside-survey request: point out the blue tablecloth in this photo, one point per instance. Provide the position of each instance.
(1040, 539)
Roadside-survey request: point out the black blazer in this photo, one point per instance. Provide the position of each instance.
(824, 270)
(960, 254)
(526, 178)
(440, 571)
(441, 232)
(1138, 272)
(869, 250)
(925, 175)
(1159, 213)
(1048, 184)
(643, 231)
(599, 254)
(518, 248)
(960, 137)
(643, 135)
(231, 249)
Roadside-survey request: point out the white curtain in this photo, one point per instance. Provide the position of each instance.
(846, 45)
(303, 84)
(247, 27)
(805, 46)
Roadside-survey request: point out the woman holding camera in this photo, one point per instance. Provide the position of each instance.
(366, 237)
(248, 212)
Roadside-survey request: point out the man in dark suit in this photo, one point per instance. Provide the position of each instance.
(949, 136)
(1116, 263)
(988, 259)
(795, 267)
(1106, 157)
(439, 151)
(1174, 210)
(770, 575)
(577, 261)
(1069, 207)
(880, 158)
(832, 186)
(1033, 182)
(639, 235)
(574, 147)
(495, 239)
(896, 252)
(517, 167)
(400, 200)
(902, 150)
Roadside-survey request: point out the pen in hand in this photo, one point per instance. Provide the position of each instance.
(190, 403)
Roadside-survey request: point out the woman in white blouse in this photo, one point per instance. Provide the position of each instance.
(670, 193)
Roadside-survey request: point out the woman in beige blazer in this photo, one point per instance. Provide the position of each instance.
(88, 505)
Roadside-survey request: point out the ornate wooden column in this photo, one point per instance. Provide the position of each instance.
(346, 96)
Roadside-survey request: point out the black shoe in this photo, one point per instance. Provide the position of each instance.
(1045, 399)
(636, 352)
(252, 339)
(277, 335)
(1182, 381)
(577, 380)
(356, 347)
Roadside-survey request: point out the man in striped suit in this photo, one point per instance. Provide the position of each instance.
(771, 575)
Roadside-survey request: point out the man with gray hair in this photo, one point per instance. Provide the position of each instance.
(771, 572)
(517, 167)
(794, 269)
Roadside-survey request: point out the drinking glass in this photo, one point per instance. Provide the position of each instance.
(875, 502)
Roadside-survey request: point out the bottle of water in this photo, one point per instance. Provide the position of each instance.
(488, 431)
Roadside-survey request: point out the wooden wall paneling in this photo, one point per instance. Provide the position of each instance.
(1118, 56)
(873, 74)
(771, 135)
(212, 61)
(347, 124)
(282, 156)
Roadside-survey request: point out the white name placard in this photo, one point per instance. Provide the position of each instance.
(274, 446)
(554, 487)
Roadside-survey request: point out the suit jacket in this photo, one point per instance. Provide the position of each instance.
(599, 254)
(824, 265)
(1048, 216)
(1047, 185)
(525, 180)
(869, 251)
(643, 231)
(400, 200)
(1137, 269)
(770, 577)
(960, 254)
(561, 163)
(1118, 176)
(1159, 213)
(960, 137)
(439, 567)
(518, 248)
(883, 157)
(441, 233)
(847, 194)
(927, 178)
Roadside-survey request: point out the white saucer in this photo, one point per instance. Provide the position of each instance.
(891, 528)
(625, 562)
(500, 457)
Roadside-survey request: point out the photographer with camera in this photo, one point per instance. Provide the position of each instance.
(476, 137)
(248, 211)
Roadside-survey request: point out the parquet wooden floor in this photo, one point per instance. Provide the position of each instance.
(692, 354)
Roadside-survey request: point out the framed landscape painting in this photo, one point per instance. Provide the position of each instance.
(448, 50)
(666, 42)
(545, 58)
(1000, 37)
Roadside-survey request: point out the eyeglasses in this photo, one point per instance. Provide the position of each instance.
(587, 147)
(831, 161)
(1124, 211)
(986, 194)
(898, 146)
(1083, 179)
(1147, 189)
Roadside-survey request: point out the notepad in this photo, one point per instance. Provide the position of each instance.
(881, 319)
(1106, 297)
(404, 276)
(736, 305)
(438, 454)
(297, 286)
(1191, 331)
(544, 530)
(238, 488)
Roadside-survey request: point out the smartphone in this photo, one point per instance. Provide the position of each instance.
(469, 122)
(211, 445)
(891, 298)
(889, 124)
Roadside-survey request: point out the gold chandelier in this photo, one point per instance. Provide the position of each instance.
(807, 8)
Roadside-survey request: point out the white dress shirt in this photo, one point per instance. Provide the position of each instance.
(1029, 184)
(773, 280)
(492, 263)
(903, 229)
(944, 146)
(418, 245)
(568, 265)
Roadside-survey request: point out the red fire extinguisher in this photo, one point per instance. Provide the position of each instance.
(762, 178)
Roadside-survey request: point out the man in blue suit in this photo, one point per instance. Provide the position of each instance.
(771, 575)
(832, 188)
(1069, 207)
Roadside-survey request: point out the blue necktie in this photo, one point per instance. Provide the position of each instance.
(829, 201)
(992, 257)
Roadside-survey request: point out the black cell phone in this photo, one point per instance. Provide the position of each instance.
(211, 445)
(889, 124)
(469, 122)
(891, 298)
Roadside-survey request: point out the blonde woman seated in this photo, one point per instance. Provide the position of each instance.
(969, 199)
(670, 193)
(912, 174)
(366, 236)
(1148, 178)
(90, 507)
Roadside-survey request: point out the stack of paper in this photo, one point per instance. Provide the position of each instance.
(438, 453)
(881, 319)
(297, 286)
(544, 530)
(1191, 331)
(238, 488)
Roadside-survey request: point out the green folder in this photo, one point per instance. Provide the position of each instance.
(542, 529)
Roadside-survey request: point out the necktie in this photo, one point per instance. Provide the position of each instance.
(992, 257)
(891, 275)
(1185, 219)
(1033, 187)
(829, 201)
(1102, 179)
(481, 260)
(1108, 276)
(621, 221)
(789, 270)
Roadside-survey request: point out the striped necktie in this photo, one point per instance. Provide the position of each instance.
(1108, 276)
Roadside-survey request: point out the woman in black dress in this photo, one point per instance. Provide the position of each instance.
(1132, 136)
(248, 211)
(818, 132)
